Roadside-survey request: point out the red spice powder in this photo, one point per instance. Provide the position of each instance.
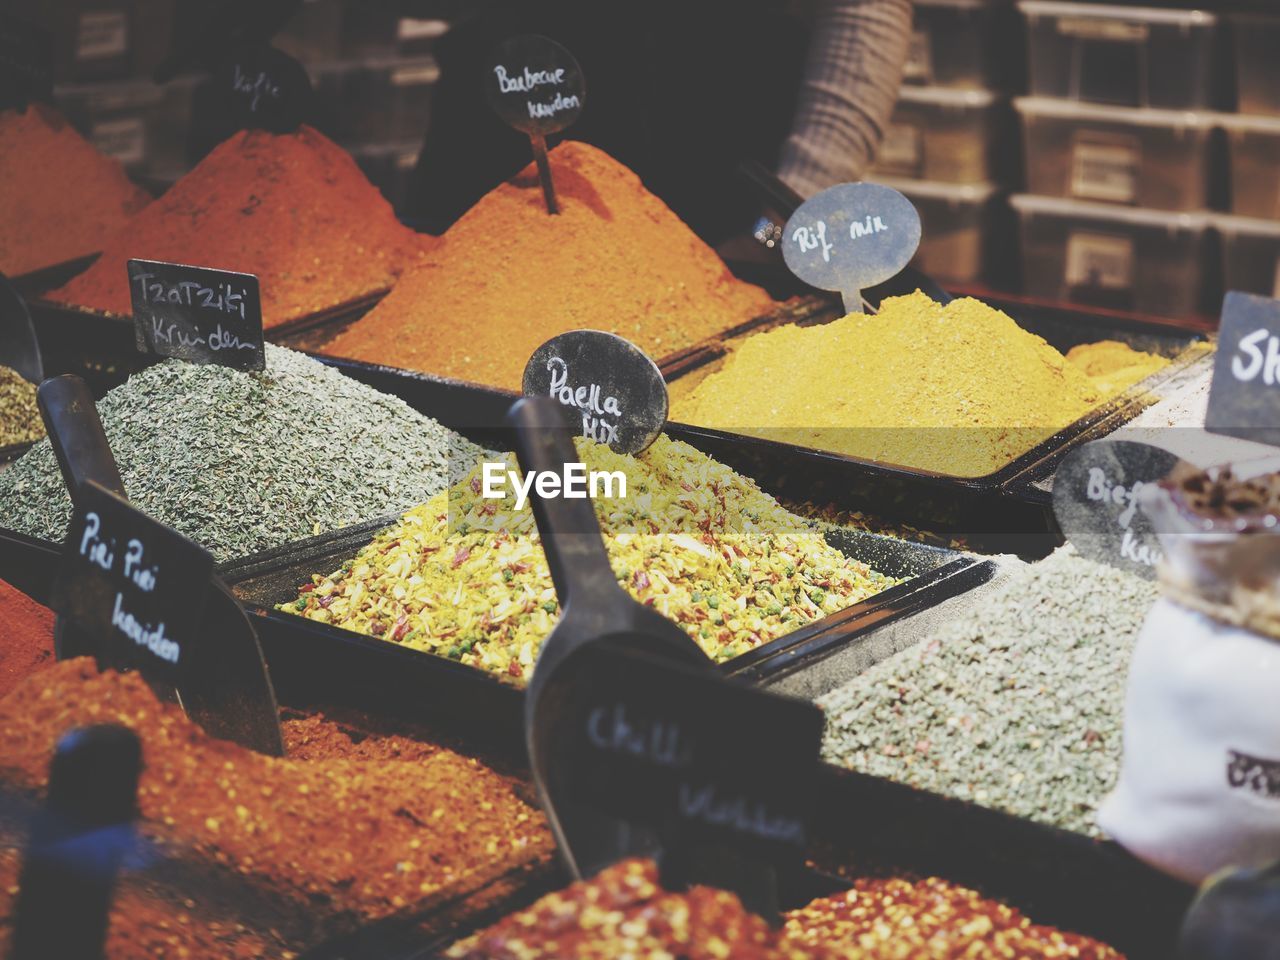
(60, 199)
(26, 637)
(344, 839)
(293, 209)
(622, 912)
(507, 277)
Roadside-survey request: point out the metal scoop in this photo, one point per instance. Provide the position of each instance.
(19, 349)
(594, 610)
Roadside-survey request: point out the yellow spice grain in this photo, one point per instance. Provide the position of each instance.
(958, 389)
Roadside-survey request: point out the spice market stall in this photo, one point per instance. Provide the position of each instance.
(555, 586)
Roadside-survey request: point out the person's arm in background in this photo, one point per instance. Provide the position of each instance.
(849, 89)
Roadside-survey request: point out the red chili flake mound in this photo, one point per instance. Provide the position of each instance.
(144, 925)
(26, 637)
(293, 209)
(623, 912)
(508, 276)
(342, 838)
(60, 199)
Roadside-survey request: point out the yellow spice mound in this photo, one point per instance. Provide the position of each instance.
(958, 389)
(1114, 366)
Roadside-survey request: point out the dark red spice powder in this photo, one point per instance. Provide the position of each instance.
(26, 637)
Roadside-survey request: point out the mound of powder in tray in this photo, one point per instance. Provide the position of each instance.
(334, 841)
(958, 388)
(508, 276)
(623, 913)
(60, 198)
(1017, 704)
(26, 637)
(292, 209)
(242, 462)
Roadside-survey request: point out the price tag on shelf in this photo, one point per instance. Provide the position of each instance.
(1244, 398)
(850, 237)
(197, 314)
(537, 87)
(1095, 501)
(265, 89)
(618, 391)
(26, 63)
(722, 773)
(135, 586)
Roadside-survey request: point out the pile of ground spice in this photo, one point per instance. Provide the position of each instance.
(1016, 703)
(142, 924)
(958, 389)
(292, 209)
(242, 462)
(26, 637)
(507, 277)
(623, 912)
(60, 199)
(464, 576)
(341, 837)
(20, 420)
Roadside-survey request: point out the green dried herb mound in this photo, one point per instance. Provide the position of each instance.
(1017, 704)
(243, 462)
(19, 416)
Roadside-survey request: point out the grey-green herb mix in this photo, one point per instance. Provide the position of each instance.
(1018, 704)
(242, 462)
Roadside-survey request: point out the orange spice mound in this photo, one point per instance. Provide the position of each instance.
(60, 199)
(508, 276)
(339, 838)
(293, 209)
(26, 637)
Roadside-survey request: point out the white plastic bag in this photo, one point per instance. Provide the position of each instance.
(1199, 785)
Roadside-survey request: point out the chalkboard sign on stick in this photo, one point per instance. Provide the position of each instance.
(197, 314)
(711, 765)
(263, 88)
(1244, 398)
(537, 87)
(618, 391)
(136, 585)
(850, 237)
(1095, 501)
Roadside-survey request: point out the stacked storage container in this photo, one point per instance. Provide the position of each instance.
(1250, 234)
(1118, 135)
(945, 146)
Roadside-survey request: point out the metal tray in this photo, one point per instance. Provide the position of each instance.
(981, 508)
(313, 662)
(100, 347)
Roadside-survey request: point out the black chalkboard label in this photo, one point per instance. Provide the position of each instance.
(706, 761)
(535, 85)
(265, 89)
(850, 237)
(26, 63)
(618, 391)
(1095, 501)
(1244, 399)
(136, 586)
(197, 314)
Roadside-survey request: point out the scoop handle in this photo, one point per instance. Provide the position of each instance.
(75, 430)
(568, 526)
(19, 348)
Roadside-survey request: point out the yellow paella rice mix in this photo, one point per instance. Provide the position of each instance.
(465, 577)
